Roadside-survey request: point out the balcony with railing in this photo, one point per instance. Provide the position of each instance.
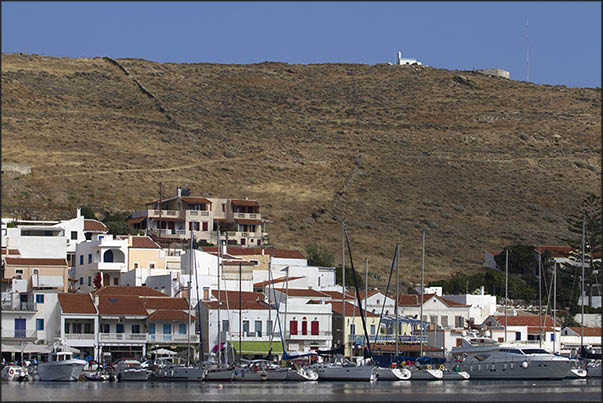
(19, 334)
(249, 216)
(172, 338)
(79, 337)
(164, 213)
(192, 214)
(320, 335)
(9, 304)
(123, 337)
(359, 339)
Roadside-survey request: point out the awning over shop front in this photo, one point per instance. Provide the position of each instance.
(257, 347)
(26, 348)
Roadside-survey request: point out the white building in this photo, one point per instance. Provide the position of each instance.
(438, 311)
(105, 254)
(524, 329)
(406, 62)
(482, 305)
(572, 338)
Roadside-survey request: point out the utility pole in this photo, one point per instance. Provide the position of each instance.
(366, 290)
(240, 303)
(554, 306)
(219, 302)
(527, 55)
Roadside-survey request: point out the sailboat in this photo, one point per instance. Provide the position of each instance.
(218, 371)
(427, 373)
(342, 369)
(188, 372)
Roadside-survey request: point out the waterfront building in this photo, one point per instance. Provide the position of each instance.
(524, 329)
(572, 338)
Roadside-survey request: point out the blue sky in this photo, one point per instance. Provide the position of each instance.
(564, 37)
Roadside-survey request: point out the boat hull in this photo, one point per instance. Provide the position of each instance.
(14, 373)
(61, 371)
(426, 375)
(247, 375)
(335, 373)
(219, 375)
(456, 376)
(535, 369)
(593, 372)
(180, 374)
(301, 375)
(134, 375)
(392, 374)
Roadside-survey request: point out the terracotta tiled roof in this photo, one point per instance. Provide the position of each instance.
(142, 242)
(239, 251)
(450, 302)
(164, 303)
(121, 305)
(523, 320)
(248, 221)
(170, 315)
(76, 303)
(588, 331)
(535, 329)
(302, 293)
(10, 251)
(35, 261)
(196, 200)
(129, 290)
(276, 281)
(350, 310)
(244, 203)
(336, 295)
(233, 304)
(413, 299)
(95, 225)
(555, 250)
(136, 220)
(234, 295)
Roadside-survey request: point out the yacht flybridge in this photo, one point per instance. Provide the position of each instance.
(485, 358)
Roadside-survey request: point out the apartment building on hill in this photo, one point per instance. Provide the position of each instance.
(182, 216)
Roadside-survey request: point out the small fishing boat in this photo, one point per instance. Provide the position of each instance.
(14, 373)
(61, 367)
(131, 370)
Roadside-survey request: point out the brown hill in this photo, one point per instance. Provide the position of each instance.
(479, 161)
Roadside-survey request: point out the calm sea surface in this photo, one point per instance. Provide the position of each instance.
(477, 390)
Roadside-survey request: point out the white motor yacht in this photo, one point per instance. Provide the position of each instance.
(131, 370)
(485, 358)
(61, 366)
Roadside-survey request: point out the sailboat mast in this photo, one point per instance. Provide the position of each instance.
(554, 306)
(539, 297)
(506, 288)
(397, 293)
(219, 301)
(366, 287)
(582, 296)
(271, 328)
(343, 328)
(188, 333)
(202, 357)
(422, 291)
(240, 303)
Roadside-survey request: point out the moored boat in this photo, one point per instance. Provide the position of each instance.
(61, 367)
(179, 373)
(14, 373)
(131, 370)
(392, 374)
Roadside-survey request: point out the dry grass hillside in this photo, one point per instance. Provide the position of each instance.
(478, 161)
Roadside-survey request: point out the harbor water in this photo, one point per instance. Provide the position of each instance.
(476, 390)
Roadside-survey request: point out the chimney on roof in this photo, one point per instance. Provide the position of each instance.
(79, 213)
(179, 191)
(481, 289)
(129, 240)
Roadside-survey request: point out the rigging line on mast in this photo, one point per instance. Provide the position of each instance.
(347, 238)
(202, 357)
(391, 271)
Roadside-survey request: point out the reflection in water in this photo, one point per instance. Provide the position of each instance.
(485, 390)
